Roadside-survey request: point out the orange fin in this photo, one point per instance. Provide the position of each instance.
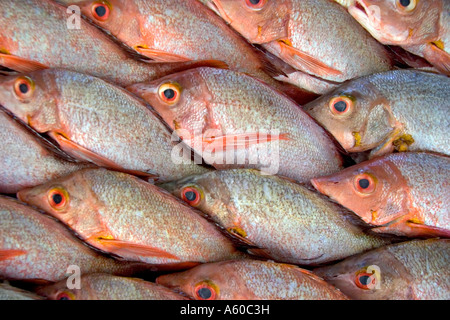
(82, 153)
(127, 249)
(20, 64)
(438, 57)
(161, 56)
(242, 141)
(9, 254)
(305, 62)
(412, 229)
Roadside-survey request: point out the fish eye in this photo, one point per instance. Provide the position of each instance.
(65, 295)
(365, 183)
(101, 11)
(191, 195)
(340, 106)
(58, 198)
(24, 87)
(365, 281)
(169, 93)
(407, 5)
(255, 4)
(205, 291)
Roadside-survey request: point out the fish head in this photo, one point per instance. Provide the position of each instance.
(375, 275)
(67, 199)
(398, 22)
(110, 15)
(181, 99)
(31, 98)
(211, 281)
(375, 190)
(259, 21)
(207, 192)
(60, 291)
(356, 114)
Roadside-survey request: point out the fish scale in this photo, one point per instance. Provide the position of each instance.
(102, 205)
(316, 230)
(50, 248)
(118, 128)
(236, 104)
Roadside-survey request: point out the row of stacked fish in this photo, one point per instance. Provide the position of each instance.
(225, 149)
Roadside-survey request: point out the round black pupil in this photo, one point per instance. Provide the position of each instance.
(204, 293)
(169, 94)
(405, 3)
(100, 11)
(23, 88)
(365, 280)
(57, 198)
(190, 195)
(64, 298)
(254, 1)
(364, 183)
(340, 106)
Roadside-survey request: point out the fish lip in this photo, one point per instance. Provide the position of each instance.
(215, 6)
(316, 184)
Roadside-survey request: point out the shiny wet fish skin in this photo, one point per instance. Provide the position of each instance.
(102, 286)
(289, 222)
(93, 120)
(130, 218)
(25, 161)
(210, 99)
(412, 270)
(36, 247)
(250, 280)
(403, 193)
(404, 110)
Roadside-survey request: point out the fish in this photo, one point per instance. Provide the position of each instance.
(102, 286)
(420, 27)
(402, 110)
(280, 219)
(410, 270)
(250, 280)
(27, 160)
(174, 31)
(134, 220)
(93, 120)
(36, 247)
(316, 37)
(236, 121)
(8, 292)
(67, 41)
(406, 194)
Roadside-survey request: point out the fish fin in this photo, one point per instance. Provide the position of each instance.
(161, 56)
(9, 254)
(242, 141)
(127, 249)
(304, 61)
(240, 235)
(411, 227)
(82, 153)
(438, 57)
(20, 64)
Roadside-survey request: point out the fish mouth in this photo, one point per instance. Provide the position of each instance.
(358, 5)
(215, 6)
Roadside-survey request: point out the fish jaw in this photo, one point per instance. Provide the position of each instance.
(370, 17)
(217, 7)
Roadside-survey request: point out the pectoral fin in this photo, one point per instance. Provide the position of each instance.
(438, 57)
(10, 254)
(127, 249)
(161, 56)
(388, 145)
(242, 141)
(20, 64)
(80, 152)
(305, 62)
